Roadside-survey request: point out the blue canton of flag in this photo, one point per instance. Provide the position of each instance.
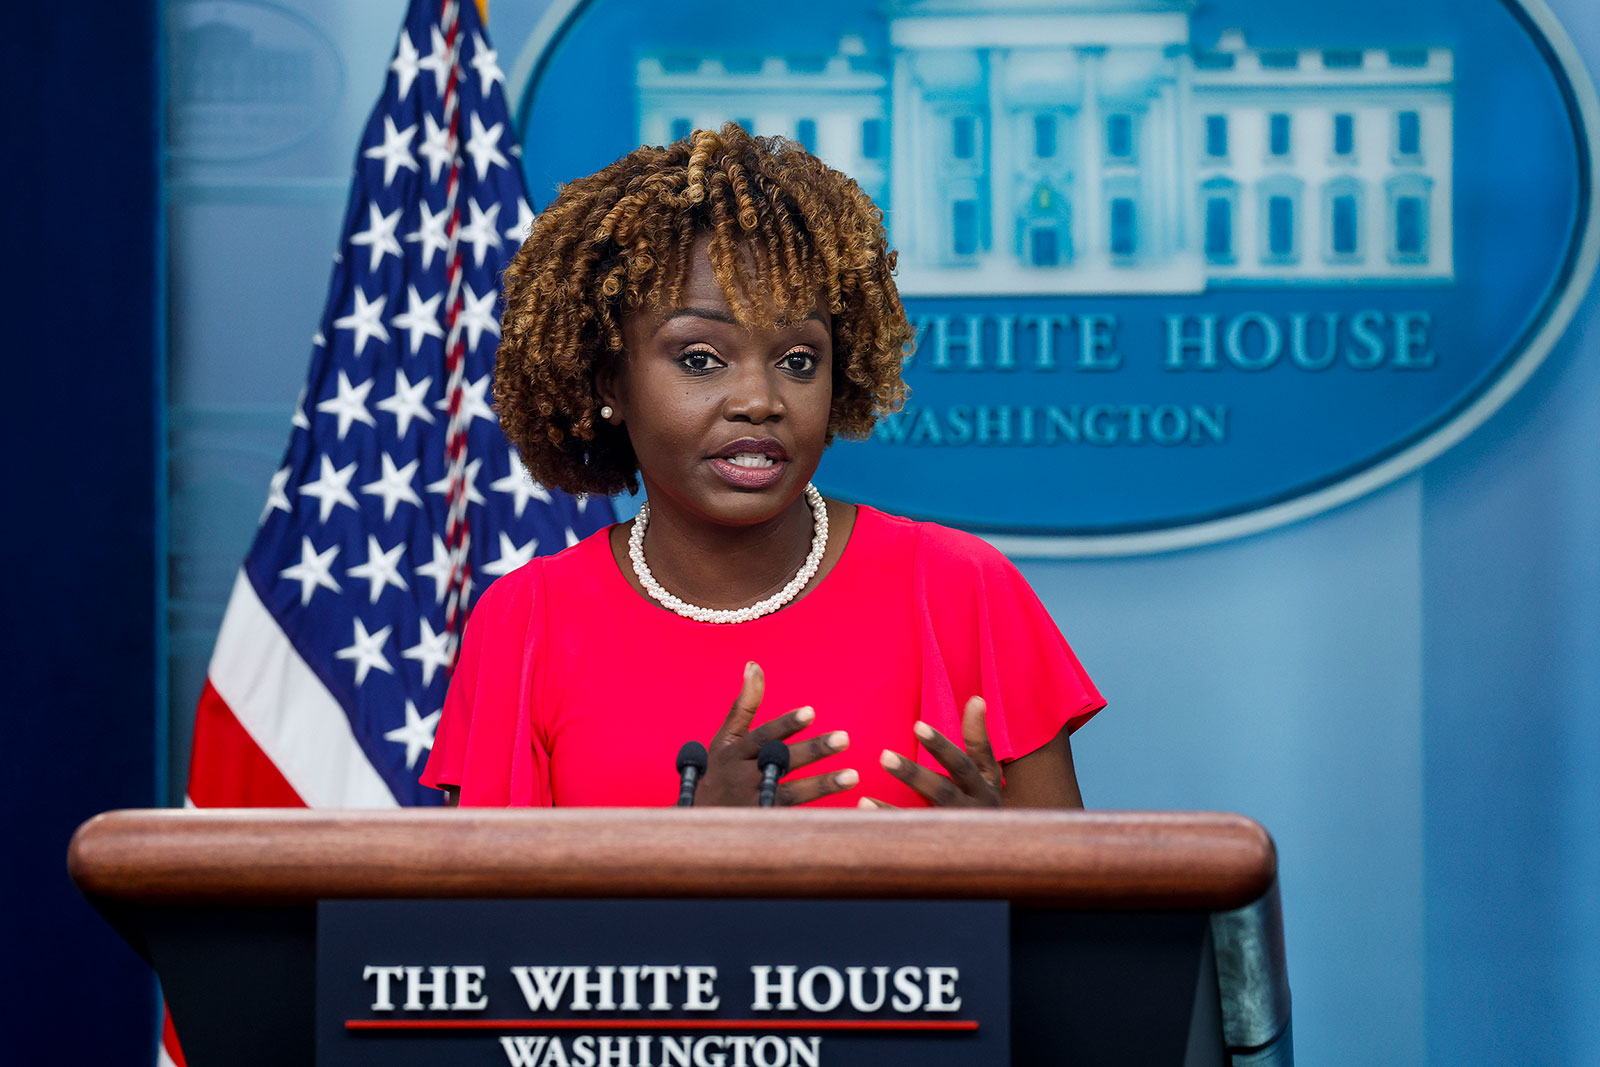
(398, 498)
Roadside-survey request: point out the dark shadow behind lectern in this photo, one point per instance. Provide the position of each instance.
(1136, 938)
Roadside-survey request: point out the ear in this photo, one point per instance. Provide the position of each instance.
(610, 388)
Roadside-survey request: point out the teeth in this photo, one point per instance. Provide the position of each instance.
(751, 459)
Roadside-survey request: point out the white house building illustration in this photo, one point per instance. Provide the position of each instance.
(1087, 146)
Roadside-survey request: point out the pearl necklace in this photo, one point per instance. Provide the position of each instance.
(808, 570)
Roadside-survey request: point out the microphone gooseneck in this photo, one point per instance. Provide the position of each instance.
(773, 761)
(691, 767)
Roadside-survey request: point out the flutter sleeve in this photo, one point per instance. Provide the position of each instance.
(984, 633)
(488, 742)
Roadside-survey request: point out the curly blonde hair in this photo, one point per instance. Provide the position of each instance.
(786, 233)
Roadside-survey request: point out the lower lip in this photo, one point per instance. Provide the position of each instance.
(749, 477)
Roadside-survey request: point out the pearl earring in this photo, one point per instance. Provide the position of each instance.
(605, 411)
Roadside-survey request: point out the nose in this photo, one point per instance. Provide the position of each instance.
(754, 396)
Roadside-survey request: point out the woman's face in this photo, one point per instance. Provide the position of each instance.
(728, 424)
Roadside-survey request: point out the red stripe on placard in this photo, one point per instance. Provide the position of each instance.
(228, 769)
(662, 1024)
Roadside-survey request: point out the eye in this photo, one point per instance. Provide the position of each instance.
(700, 361)
(801, 362)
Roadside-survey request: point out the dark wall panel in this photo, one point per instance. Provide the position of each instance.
(81, 429)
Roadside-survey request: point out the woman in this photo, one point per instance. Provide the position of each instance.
(706, 317)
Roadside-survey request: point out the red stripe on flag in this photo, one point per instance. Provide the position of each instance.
(227, 769)
(169, 1041)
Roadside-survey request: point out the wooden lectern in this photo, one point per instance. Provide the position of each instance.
(1136, 938)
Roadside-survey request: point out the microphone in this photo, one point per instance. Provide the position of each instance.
(691, 765)
(773, 759)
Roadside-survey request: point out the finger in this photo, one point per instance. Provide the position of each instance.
(813, 749)
(935, 788)
(975, 733)
(953, 759)
(746, 704)
(783, 726)
(873, 803)
(805, 790)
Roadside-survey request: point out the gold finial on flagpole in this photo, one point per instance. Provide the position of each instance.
(483, 11)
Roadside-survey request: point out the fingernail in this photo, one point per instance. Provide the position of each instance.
(838, 739)
(749, 669)
(805, 714)
(847, 779)
(865, 803)
(890, 761)
(923, 730)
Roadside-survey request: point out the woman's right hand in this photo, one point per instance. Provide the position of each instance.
(732, 778)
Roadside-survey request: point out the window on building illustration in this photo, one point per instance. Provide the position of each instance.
(1044, 136)
(963, 137)
(681, 128)
(1119, 137)
(1124, 227)
(1278, 135)
(1280, 59)
(1045, 246)
(1344, 135)
(1408, 57)
(1280, 227)
(1408, 133)
(805, 131)
(1345, 236)
(1342, 58)
(1217, 136)
(1410, 228)
(964, 227)
(872, 139)
(1219, 229)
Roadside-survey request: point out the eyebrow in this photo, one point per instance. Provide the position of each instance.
(718, 315)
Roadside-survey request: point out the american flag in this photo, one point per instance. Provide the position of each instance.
(398, 498)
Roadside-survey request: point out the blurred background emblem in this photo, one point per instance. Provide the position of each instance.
(247, 79)
(1179, 272)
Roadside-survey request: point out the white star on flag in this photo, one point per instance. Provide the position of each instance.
(382, 569)
(439, 61)
(431, 233)
(395, 151)
(438, 146)
(416, 734)
(315, 570)
(332, 488)
(367, 651)
(406, 403)
(299, 420)
(518, 231)
(477, 316)
(484, 146)
(276, 497)
(442, 486)
(394, 486)
(474, 401)
(366, 319)
(483, 232)
(379, 235)
(432, 650)
(420, 318)
(405, 64)
(485, 61)
(511, 556)
(520, 484)
(349, 405)
(438, 568)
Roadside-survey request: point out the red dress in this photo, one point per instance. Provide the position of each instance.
(573, 689)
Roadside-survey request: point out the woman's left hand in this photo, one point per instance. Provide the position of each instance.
(975, 778)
